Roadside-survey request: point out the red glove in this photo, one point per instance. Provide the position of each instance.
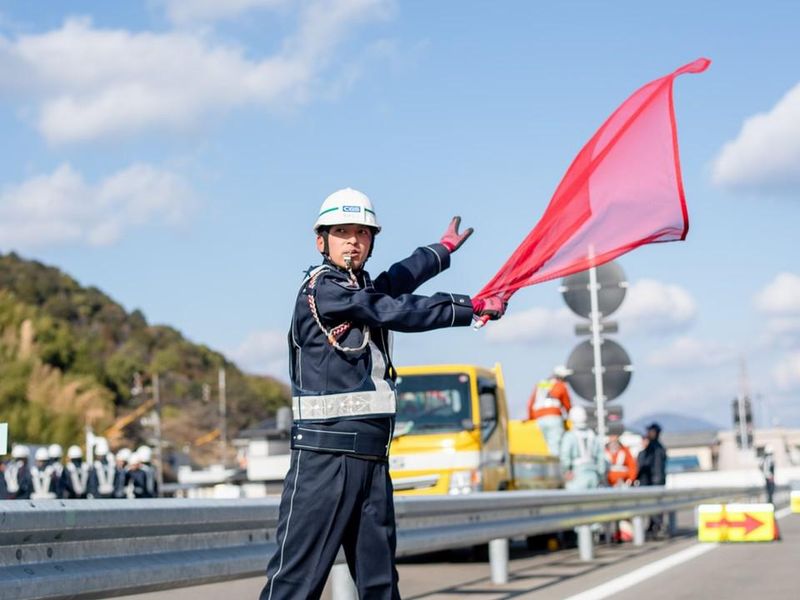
(452, 240)
(493, 307)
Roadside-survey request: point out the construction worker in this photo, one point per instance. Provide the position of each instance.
(652, 464)
(42, 476)
(54, 455)
(101, 472)
(583, 461)
(549, 404)
(337, 491)
(145, 454)
(123, 455)
(622, 467)
(75, 476)
(18, 474)
(139, 480)
(768, 471)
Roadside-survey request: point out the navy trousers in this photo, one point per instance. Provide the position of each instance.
(331, 501)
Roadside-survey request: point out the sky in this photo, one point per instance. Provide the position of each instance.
(174, 153)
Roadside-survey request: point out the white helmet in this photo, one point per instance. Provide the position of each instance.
(124, 454)
(577, 414)
(74, 452)
(41, 454)
(768, 449)
(145, 453)
(20, 451)
(135, 459)
(55, 451)
(101, 446)
(561, 371)
(345, 207)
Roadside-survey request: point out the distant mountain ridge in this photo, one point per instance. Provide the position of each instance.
(69, 355)
(673, 423)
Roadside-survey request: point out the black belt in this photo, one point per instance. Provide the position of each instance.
(363, 444)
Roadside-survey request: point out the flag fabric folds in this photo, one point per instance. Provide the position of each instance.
(623, 190)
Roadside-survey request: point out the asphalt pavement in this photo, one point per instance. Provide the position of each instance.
(764, 571)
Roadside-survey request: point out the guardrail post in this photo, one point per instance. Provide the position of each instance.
(342, 586)
(638, 530)
(585, 549)
(672, 523)
(498, 560)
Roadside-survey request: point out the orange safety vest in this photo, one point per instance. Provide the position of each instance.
(621, 465)
(550, 397)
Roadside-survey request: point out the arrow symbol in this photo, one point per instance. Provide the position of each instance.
(750, 523)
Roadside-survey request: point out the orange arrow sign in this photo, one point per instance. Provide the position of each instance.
(750, 523)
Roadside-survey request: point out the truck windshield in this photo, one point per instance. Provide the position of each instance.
(433, 403)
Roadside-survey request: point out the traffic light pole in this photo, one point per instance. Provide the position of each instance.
(598, 362)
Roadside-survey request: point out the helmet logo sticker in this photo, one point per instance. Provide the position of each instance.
(351, 208)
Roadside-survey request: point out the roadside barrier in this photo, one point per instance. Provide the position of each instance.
(80, 549)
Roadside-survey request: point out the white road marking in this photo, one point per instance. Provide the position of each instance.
(622, 583)
(630, 579)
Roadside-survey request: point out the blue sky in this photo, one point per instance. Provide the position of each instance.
(174, 154)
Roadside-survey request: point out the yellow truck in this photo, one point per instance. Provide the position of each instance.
(453, 435)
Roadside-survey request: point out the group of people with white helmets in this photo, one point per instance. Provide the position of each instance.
(126, 474)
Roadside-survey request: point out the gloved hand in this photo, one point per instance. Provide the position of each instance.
(452, 240)
(493, 307)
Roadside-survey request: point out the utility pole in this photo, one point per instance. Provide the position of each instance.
(159, 451)
(743, 399)
(223, 417)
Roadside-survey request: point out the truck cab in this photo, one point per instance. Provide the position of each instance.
(452, 433)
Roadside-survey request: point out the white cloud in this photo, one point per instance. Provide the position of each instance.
(781, 296)
(688, 353)
(88, 82)
(766, 153)
(651, 306)
(197, 11)
(787, 372)
(533, 325)
(63, 208)
(265, 353)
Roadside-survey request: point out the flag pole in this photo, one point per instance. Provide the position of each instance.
(599, 396)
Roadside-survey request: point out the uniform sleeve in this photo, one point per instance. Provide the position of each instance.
(560, 391)
(407, 275)
(338, 301)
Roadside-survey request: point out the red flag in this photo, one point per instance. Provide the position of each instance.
(623, 190)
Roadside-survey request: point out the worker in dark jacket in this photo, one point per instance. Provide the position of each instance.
(338, 492)
(652, 462)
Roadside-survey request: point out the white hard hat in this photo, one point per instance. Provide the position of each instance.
(577, 414)
(55, 451)
(41, 454)
(100, 446)
(135, 458)
(561, 371)
(124, 454)
(347, 206)
(768, 449)
(74, 452)
(145, 453)
(20, 451)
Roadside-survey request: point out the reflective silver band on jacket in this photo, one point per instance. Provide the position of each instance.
(348, 404)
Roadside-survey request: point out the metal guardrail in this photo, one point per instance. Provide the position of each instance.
(83, 549)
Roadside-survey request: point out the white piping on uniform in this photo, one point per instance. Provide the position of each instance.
(436, 254)
(288, 522)
(453, 306)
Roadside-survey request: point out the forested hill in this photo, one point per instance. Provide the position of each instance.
(69, 355)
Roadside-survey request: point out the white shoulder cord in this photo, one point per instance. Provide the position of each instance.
(332, 334)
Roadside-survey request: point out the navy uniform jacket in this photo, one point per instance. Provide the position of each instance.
(354, 392)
